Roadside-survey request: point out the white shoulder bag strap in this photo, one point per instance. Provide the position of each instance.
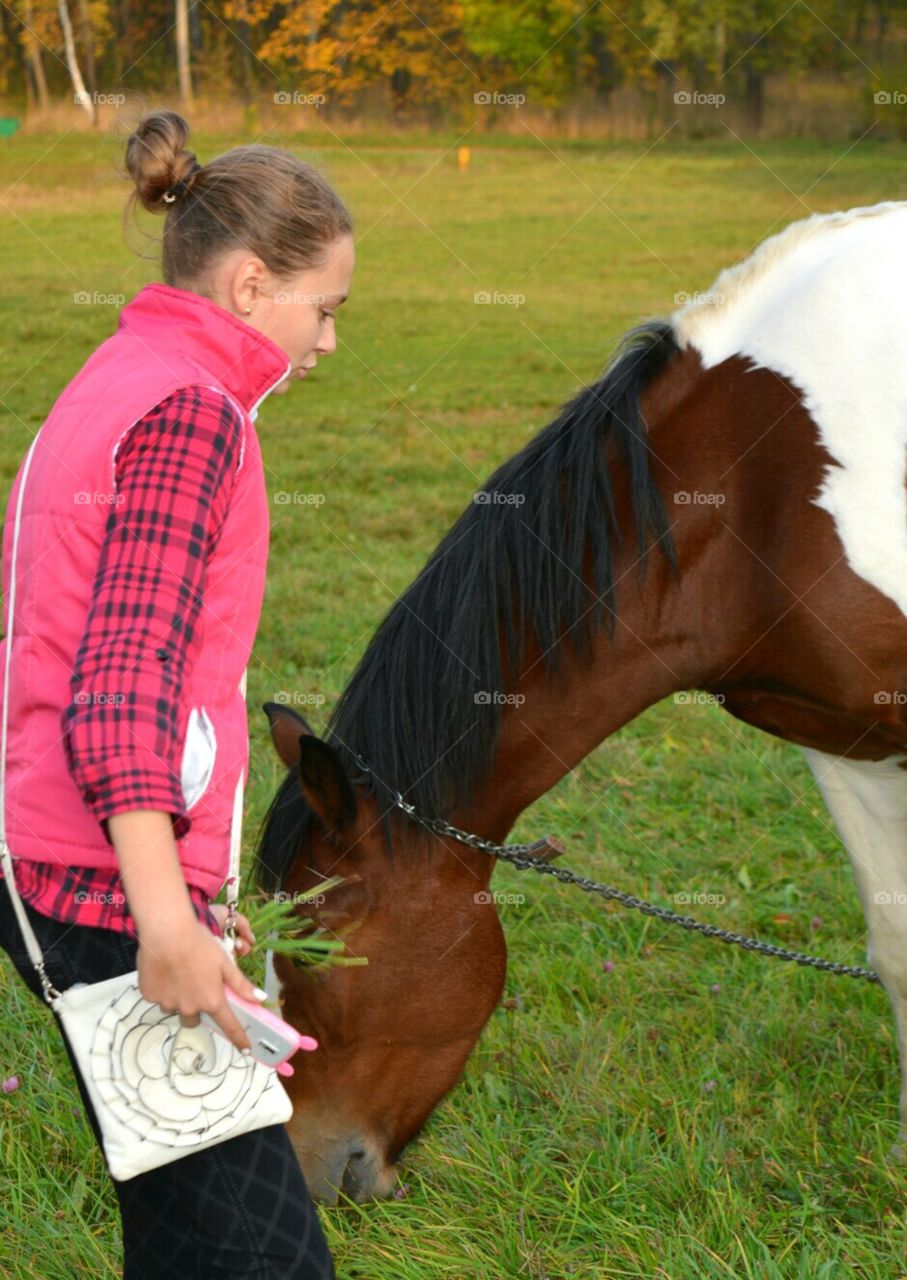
(6, 861)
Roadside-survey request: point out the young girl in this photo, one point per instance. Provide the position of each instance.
(140, 573)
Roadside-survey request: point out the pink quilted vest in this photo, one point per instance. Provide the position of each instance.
(167, 338)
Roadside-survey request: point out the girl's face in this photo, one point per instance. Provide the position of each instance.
(296, 313)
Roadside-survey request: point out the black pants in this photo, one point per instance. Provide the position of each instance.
(238, 1209)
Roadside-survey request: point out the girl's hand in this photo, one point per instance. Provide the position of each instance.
(185, 970)
(244, 935)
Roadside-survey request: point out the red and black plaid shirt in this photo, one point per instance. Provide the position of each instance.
(175, 470)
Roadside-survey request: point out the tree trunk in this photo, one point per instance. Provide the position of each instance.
(86, 36)
(245, 60)
(183, 61)
(720, 46)
(82, 96)
(122, 47)
(38, 80)
(882, 11)
(195, 27)
(7, 51)
(754, 97)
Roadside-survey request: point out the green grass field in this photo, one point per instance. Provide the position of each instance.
(692, 1111)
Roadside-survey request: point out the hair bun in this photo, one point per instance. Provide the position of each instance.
(157, 159)
(263, 199)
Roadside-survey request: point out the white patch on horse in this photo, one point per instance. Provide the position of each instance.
(824, 303)
(273, 985)
(868, 801)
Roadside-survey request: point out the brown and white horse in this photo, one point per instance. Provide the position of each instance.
(725, 509)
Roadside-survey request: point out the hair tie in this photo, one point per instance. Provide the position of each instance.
(181, 186)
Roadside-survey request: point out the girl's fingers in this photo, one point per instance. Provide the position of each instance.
(243, 928)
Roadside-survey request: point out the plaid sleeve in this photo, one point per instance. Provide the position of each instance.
(175, 472)
(90, 896)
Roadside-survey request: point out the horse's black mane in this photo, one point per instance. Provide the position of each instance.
(505, 569)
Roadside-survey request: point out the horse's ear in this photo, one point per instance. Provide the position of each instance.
(286, 729)
(325, 785)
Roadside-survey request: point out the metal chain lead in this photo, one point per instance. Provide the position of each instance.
(517, 855)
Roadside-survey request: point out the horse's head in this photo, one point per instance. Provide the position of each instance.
(394, 1034)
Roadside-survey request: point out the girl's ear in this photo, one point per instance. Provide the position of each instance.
(324, 783)
(286, 729)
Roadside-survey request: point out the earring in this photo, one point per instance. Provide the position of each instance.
(248, 311)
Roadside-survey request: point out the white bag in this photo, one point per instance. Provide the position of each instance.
(160, 1090)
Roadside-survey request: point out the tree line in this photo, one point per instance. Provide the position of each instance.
(424, 58)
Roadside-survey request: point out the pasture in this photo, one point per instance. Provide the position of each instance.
(643, 1103)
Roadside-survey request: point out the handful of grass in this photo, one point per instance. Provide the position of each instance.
(287, 933)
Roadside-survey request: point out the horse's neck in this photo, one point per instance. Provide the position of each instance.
(557, 725)
(670, 633)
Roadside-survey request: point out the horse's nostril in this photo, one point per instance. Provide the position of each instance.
(356, 1182)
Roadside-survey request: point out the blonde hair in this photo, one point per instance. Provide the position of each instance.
(256, 197)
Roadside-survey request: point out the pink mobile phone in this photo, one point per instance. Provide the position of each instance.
(272, 1040)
